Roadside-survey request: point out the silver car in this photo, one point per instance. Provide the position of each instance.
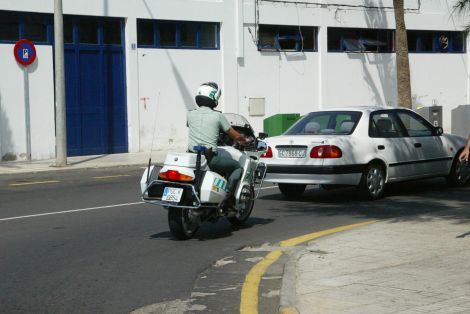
(363, 146)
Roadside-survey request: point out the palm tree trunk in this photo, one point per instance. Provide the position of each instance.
(403, 64)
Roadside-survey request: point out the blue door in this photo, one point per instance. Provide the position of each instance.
(95, 86)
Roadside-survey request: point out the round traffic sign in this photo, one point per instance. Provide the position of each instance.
(25, 52)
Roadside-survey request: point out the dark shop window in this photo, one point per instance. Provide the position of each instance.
(112, 33)
(436, 41)
(177, 34)
(208, 35)
(167, 34)
(35, 28)
(287, 38)
(68, 31)
(360, 40)
(9, 27)
(188, 34)
(145, 33)
(88, 31)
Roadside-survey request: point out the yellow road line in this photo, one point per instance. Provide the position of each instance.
(249, 298)
(32, 183)
(311, 236)
(250, 289)
(115, 176)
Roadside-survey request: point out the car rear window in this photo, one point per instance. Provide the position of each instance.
(326, 122)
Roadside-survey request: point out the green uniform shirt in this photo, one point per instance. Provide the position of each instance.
(204, 126)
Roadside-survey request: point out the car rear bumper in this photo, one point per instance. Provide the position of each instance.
(344, 174)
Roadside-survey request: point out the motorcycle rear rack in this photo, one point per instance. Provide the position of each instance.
(158, 201)
(261, 180)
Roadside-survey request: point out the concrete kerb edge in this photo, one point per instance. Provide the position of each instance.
(288, 295)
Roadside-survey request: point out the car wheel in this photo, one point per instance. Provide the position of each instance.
(291, 190)
(459, 173)
(373, 181)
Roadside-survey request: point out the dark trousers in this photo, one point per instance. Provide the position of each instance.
(228, 168)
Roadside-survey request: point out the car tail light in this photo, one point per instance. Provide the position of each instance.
(174, 175)
(268, 153)
(326, 151)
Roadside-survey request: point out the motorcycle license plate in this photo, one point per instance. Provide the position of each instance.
(292, 153)
(172, 194)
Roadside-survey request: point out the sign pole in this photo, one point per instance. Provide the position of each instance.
(27, 110)
(60, 116)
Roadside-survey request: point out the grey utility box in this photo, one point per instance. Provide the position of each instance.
(433, 114)
(461, 120)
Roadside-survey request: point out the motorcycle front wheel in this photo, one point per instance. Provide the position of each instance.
(183, 223)
(245, 206)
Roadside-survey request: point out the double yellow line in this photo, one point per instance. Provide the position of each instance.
(250, 289)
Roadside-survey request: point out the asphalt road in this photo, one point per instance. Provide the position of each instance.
(81, 242)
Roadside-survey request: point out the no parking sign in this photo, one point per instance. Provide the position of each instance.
(25, 52)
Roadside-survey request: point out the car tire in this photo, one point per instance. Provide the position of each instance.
(291, 190)
(372, 183)
(459, 173)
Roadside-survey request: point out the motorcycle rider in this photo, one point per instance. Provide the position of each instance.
(204, 125)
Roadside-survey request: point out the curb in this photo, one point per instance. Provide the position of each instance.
(288, 286)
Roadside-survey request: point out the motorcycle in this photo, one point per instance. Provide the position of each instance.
(193, 194)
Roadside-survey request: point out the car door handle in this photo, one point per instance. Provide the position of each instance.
(381, 147)
(418, 145)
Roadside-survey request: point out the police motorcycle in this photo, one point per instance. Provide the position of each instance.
(193, 194)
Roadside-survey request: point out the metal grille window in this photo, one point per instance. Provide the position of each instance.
(9, 27)
(360, 40)
(436, 41)
(177, 34)
(287, 38)
(35, 28)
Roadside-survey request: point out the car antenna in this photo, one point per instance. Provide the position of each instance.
(153, 137)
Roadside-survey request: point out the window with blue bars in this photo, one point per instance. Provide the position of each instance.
(36, 27)
(436, 41)
(360, 40)
(287, 38)
(177, 34)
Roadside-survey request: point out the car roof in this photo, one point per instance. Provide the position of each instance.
(361, 108)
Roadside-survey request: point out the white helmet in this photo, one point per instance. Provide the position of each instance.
(208, 95)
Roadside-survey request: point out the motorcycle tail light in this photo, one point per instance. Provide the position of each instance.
(268, 153)
(326, 151)
(174, 175)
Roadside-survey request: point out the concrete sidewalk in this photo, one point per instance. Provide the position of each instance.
(415, 266)
(83, 162)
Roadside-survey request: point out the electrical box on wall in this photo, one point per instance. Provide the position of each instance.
(256, 106)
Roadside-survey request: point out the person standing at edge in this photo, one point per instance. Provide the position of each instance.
(204, 125)
(464, 155)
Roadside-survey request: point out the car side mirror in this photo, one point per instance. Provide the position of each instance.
(262, 135)
(438, 131)
(262, 146)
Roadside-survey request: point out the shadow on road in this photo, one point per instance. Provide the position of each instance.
(418, 201)
(221, 229)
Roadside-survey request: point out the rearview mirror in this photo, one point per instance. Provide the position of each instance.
(438, 131)
(261, 146)
(262, 135)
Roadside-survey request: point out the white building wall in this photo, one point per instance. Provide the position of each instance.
(168, 80)
(13, 126)
(290, 82)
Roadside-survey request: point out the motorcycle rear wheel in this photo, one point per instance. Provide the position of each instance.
(245, 206)
(183, 223)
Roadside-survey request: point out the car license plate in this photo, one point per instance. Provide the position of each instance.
(172, 194)
(292, 153)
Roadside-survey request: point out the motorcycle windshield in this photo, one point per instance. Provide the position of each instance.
(237, 120)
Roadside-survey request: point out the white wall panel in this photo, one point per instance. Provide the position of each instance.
(168, 80)
(12, 105)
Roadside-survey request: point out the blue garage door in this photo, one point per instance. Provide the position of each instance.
(95, 86)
